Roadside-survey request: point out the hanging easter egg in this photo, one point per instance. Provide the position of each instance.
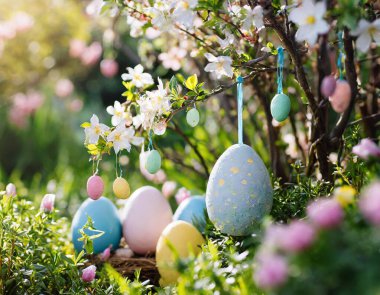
(328, 86)
(146, 214)
(185, 239)
(239, 192)
(153, 162)
(192, 117)
(341, 98)
(192, 210)
(121, 188)
(95, 187)
(105, 218)
(280, 107)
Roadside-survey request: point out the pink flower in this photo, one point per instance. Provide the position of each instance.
(10, 190)
(91, 54)
(109, 67)
(297, 236)
(47, 203)
(369, 203)
(64, 88)
(22, 21)
(77, 47)
(88, 274)
(106, 254)
(168, 188)
(181, 195)
(325, 213)
(271, 271)
(75, 105)
(366, 148)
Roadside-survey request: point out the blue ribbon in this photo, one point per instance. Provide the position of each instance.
(240, 81)
(341, 54)
(150, 145)
(280, 66)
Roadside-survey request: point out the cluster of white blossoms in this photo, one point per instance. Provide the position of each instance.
(151, 106)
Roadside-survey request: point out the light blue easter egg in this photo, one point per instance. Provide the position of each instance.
(105, 217)
(192, 117)
(280, 107)
(192, 210)
(153, 161)
(239, 192)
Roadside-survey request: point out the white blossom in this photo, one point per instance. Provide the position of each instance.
(220, 65)
(309, 18)
(254, 17)
(227, 41)
(183, 12)
(367, 32)
(96, 130)
(161, 16)
(122, 138)
(173, 58)
(135, 26)
(137, 76)
(118, 114)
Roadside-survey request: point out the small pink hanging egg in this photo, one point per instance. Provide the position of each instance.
(340, 100)
(95, 187)
(328, 86)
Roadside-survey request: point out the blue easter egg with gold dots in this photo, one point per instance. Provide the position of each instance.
(239, 192)
(280, 107)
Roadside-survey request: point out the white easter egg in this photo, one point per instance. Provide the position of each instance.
(146, 215)
(239, 192)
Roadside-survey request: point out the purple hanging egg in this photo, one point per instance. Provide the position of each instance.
(341, 98)
(328, 86)
(95, 187)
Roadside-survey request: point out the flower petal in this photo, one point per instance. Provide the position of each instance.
(363, 42)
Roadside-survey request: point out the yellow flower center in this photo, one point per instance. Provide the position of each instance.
(137, 77)
(185, 5)
(97, 130)
(310, 20)
(117, 137)
(372, 30)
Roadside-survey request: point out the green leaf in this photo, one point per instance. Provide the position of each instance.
(191, 82)
(173, 84)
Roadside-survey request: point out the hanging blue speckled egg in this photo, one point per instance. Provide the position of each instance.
(280, 107)
(239, 192)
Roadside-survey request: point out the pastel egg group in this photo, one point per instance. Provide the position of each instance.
(280, 107)
(121, 188)
(239, 192)
(341, 98)
(146, 214)
(153, 161)
(192, 210)
(105, 218)
(95, 187)
(184, 239)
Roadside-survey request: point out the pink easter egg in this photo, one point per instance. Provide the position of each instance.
(95, 187)
(328, 86)
(340, 100)
(146, 215)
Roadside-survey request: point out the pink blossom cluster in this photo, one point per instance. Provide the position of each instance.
(23, 106)
(281, 240)
(88, 55)
(20, 22)
(366, 149)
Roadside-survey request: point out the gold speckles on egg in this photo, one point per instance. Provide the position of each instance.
(249, 174)
(234, 170)
(244, 181)
(250, 161)
(221, 182)
(252, 196)
(233, 193)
